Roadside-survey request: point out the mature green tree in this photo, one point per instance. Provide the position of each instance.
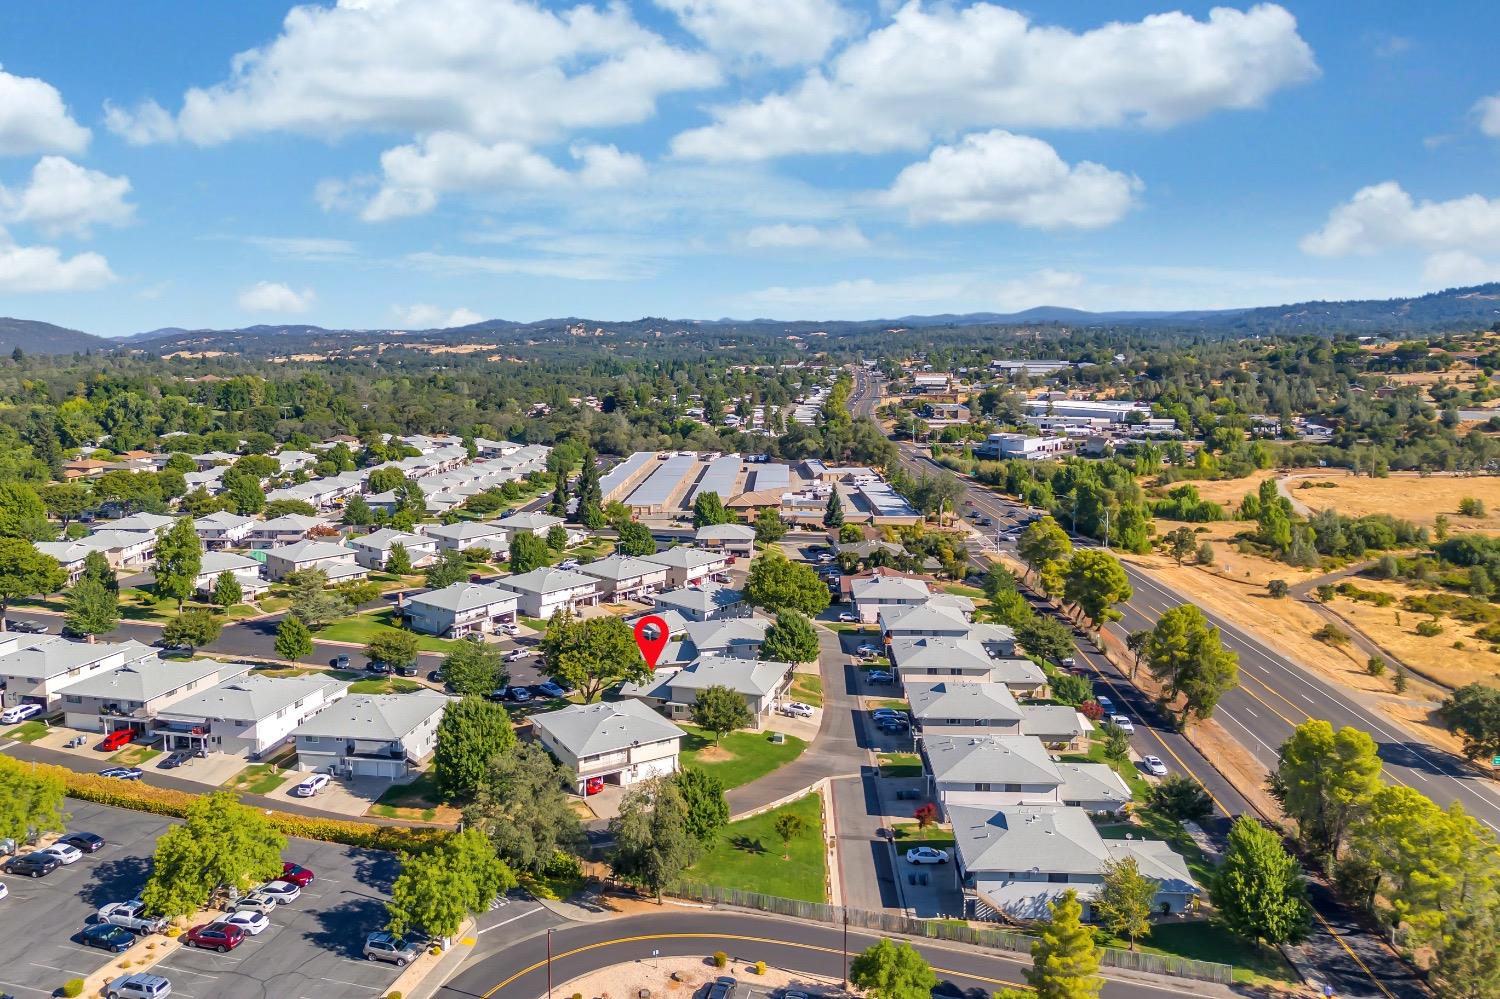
(557, 506)
(1468, 964)
(1187, 656)
(1258, 891)
(590, 512)
(283, 507)
(891, 970)
(636, 539)
(1473, 712)
(1415, 851)
(97, 568)
(521, 805)
(654, 843)
(67, 501)
(851, 534)
(1325, 780)
(312, 600)
(227, 590)
(1042, 542)
(709, 509)
(792, 639)
(357, 512)
(26, 572)
(245, 495)
(398, 563)
(92, 609)
(789, 826)
(192, 628)
(833, 513)
(451, 567)
(1181, 543)
(398, 648)
(22, 513)
(474, 669)
(769, 527)
(557, 538)
(1116, 742)
(29, 800)
(1065, 959)
(293, 640)
(1094, 582)
(592, 655)
(776, 583)
(1181, 798)
(439, 888)
(707, 808)
(220, 842)
(1045, 636)
(1069, 688)
(179, 558)
(1125, 900)
(527, 552)
(472, 733)
(720, 710)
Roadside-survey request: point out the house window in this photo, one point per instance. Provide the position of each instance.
(309, 739)
(1057, 879)
(981, 787)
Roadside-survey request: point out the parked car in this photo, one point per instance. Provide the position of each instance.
(284, 892)
(593, 785)
(499, 693)
(4, 891)
(893, 726)
(25, 627)
(65, 853)
(847, 618)
(516, 655)
(339, 662)
(926, 855)
(116, 740)
(131, 916)
(1122, 723)
(19, 713)
(797, 709)
(1068, 661)
(175, 760)
(880, 676)
(378, 667)
(122, 773)
(219, 936)
(723, 987)
(568, 564)
(388, 947)
(141, 985)
(86, 841)
(256, 903)
(867, 650)
(550, 689)
(296, 874)
(249, 921)
(115, 939)
(435, 676)
(520, 694)
(510, 629)
(882, 713)
(311, 785)
(35, 865)
(1154, 766)
(406, 670)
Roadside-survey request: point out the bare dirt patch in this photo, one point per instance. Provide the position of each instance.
(1394, 629)
(1417, 498)
(714, 754)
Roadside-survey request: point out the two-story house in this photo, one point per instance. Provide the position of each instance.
(130, 696)
(930, 659)
(528, 522)
(674, 691)
(546, 590)
(460, 609)
(371, 735)
(468, 534)
(222, 529)
(619, 742)
(334, 559)
(624, 577)
(247, 572)
(373, 550)
(284, 530)
(711, 602)
(687, 566)
(35, 668)
(247, 716)
(735, 540)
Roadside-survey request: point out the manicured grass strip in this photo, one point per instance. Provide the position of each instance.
(1154, 825)
(28, 731)
(908, 835)
(748, 855)
(741, 758)
(384, 685)
(257, 778)
(808, 688)
(134, 756)
(417, 800)
(361, 628)
(1204, 940)
(900, 765)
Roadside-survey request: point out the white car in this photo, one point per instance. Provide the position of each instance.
(284, 892)
(510, 629)
(926, 855)
(19, 713)
(256, 903)
(797, 709)
(1154, 766)
(249, 920)
(847, 618)
(311, 786)
(63, 852)
(4, 891)
(516, 655)
(1122, 723)
(868, 650)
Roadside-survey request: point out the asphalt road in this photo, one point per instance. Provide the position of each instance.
(520, 969)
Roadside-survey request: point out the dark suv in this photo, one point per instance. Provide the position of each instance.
(34, 865)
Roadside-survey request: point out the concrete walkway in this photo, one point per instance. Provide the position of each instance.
(834, 753)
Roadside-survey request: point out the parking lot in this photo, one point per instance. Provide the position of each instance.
(312, 950)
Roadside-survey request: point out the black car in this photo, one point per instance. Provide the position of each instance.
(723, 987)
(378, 667)
(86, 841)
(34, 865)
(107, 936)
(435, 676)
(406, 671)
(175, 760)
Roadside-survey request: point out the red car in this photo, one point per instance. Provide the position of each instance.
(296, 874)
(593, 785)
(216, 936)
(118, 739)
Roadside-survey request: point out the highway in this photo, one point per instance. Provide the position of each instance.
(1352, 960)
(519, 969)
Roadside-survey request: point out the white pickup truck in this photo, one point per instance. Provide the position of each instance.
(132, 916)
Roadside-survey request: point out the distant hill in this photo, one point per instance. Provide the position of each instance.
(36, 337)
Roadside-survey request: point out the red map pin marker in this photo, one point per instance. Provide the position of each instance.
(651, 638)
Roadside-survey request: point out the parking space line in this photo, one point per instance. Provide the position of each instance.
(27, 988)
(512, 919)
(356, 985)
(176, 970)
(53, 967)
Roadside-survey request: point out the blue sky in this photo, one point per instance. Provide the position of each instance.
(417, 163)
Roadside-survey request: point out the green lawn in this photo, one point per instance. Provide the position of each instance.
(964, 590)
(137, 604)
(361, 628)
(134, 756)
(900, 764)
(282, 671)
(741, 758)
(1153, 825)
(29, 731)
(1204, 940)
(908, 835)
(748, 855)
(808, 688)
(1134, 779)
(384, 685)
(418, 799)
(257, 778)
(534, 623)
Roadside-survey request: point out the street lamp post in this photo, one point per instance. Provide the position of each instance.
(549, 963)
(845, 983)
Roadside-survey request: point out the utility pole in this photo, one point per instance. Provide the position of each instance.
(549, 962)
(845, 983)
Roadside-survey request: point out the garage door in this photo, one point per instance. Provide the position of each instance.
(656, 768)
(377, 768)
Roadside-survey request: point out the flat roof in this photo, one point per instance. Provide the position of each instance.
(768, 477)
(660, 484)
(721, 477)
(617, 476)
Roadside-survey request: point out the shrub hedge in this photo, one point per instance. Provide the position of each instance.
(167, 801)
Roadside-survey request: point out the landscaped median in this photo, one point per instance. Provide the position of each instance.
(750, 855)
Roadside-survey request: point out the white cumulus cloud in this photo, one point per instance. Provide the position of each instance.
(146, 123)
(1458, 268)
(44, 268)
(33, 119)
(430, 317)
(1488, 112)
(785, 236)
(1384, 216)
(779, 32)
(63, 197)
(939, 69)
(1000, 177)
(272, 296)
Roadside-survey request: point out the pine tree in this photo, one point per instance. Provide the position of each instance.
(590, 511)
(1064, 960)
(558, 505)
(833, 513)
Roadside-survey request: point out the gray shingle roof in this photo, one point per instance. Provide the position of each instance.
(374, 716)
(618, 567)
(608, 726)
(463, 596)
(46, 659)
(547, 580)
(1092, 782)
(253, 697)
(964, 700)
(151, 678)
(1051, 839)
(994, 759)
(686, 557)
(701, 599)
(751, 677)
